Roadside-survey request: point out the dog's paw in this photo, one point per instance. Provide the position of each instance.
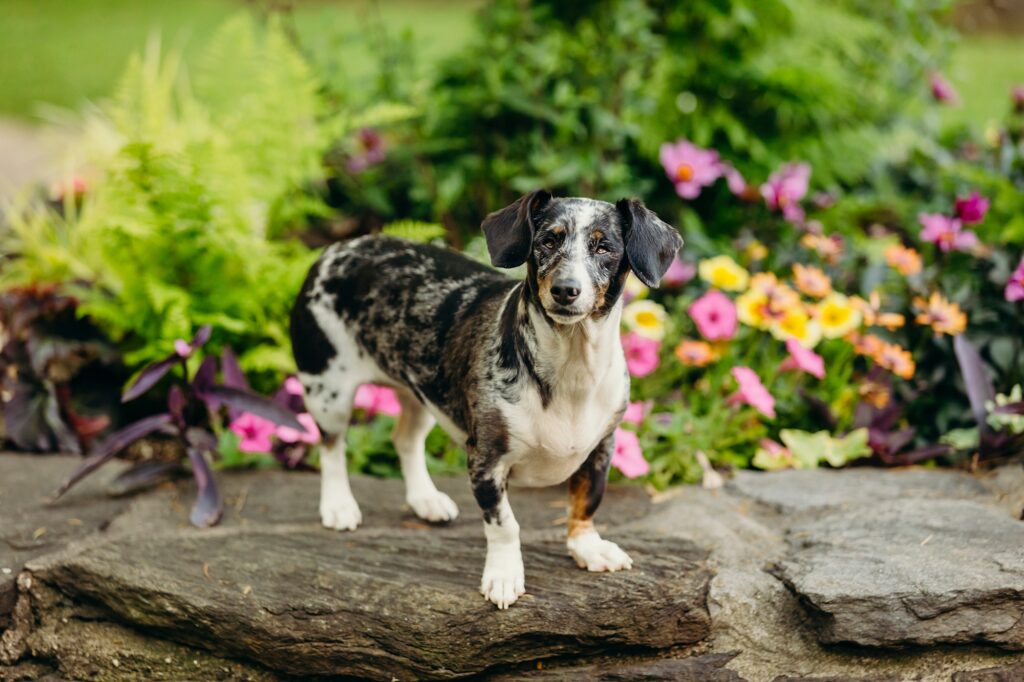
(595, 554)
(340, 514)
(433, 506)
(504, 581)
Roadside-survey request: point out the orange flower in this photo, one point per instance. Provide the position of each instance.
(811, 281)
(867, 345)
(873, 315)
(874, 393)
(695, 353)
(779, 297)
(897, 360)
(943, 317)
(828, 248)
(907, 261)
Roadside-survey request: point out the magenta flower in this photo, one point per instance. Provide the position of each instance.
(737, 185)
(972, 209)
(803, 360)
(636, 411)
(641, 354)
(628, 457)
(1015, 287)
(377, 400)
(785, 188)
(293, 386)
(310, 433)
(715, 316)
(678, 273)
(182, 348)
(254, 431)
(689, 167)
(942, 90)
(752, 392)
(945, 232)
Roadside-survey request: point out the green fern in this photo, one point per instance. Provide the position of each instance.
(415, 231)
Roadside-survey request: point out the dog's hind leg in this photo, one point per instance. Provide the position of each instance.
(409, 436)
(332, 409)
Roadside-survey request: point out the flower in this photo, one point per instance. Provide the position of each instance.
(941, 89)
(641, 354)
(678, 273)
(689, 167)
(1017, 95)
(803, 359)
(894, 358)
(293, 386)
(785, 188)
(867, 345)
(811, 280)
(628, 457)
(183, 348)
(796, 324)
(827, 247)
(74, 186)
(371, 150)
(695, 353)
(633, 289)
(943, 316)
(254, 431)
(755, 251)
(752, 392)
(377, 400)
(737, 185)
(972, 209)
(646, 318)
(636, 411)
(907, 261)
(752, 309)
(772, 456)
(947, 233)
(310, 433)
(723, 272)
(1015, 286)
(871, 309)
(837, 316)
(715, 316)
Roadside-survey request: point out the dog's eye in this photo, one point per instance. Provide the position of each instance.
(549, 242)
(601, 248)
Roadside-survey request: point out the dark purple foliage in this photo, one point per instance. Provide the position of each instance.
(209, 506)
(144, 475)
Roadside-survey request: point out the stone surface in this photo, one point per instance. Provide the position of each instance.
(701, 668)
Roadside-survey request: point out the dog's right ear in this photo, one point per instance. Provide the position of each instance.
(509, 232)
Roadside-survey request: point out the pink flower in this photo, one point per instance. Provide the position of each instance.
(941, 89)
(628, 457)
(803, 360)
(636, 411)
(254, 431)
(310, 433)
(678, 273)
(182, 348)
(371, 151)
(752, 392)
(947, 233)
(715, 316)
(641, 354)
(1017, 95)
(1015, 287)
(377, 400)
(737, 185)
(689, 167)
(785, 188)
(293, 386)
(972, 209)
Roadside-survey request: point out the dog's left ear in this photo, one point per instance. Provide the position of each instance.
(509, 232)
(651, 243)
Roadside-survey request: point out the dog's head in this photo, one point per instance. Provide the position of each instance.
(579, 251)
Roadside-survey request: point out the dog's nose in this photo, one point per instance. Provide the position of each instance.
(565, 291)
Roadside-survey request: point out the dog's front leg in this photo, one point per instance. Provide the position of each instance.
(586, 488)
(504, 578)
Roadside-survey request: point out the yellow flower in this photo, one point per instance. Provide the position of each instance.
(723, 272)
(943, 317)
(646, 318)
(795, 323)
(907, 261)
(755, 251)
(811, 281)
(695, 353)
(837, 316)
(752, 309)
(634, 288)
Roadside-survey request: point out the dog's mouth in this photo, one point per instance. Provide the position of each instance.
(563, 314)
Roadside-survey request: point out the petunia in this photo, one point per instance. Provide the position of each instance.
(309, 434)
(972, 209)
(254, 431)
(752, 392)
(785, 188)
(715, 316)
(293, 386)
(636, 411)
(678, 273)
(628, 457)
(803, 360)
(723, 272)
(945, 232)
(689, 167)
(641, 354)
(942, 90)
(695, 353)
(646, 318)
(1015, 286)
(795, 324)
(838, 316)
(377, 400)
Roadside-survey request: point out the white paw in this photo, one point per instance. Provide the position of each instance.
(433, 506)
(504, 579)
(595, 554)
(340, 514)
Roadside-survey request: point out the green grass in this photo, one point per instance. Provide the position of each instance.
(983, 70)
(66, 52)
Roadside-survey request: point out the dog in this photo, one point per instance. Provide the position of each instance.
(528, 376)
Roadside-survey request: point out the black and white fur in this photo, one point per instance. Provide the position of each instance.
(529, 377)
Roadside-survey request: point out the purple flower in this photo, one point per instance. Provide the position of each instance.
(182, 348)
(371, 151)
(945, 232)
(785, 188)
(689, 167)
(972, 209)
(1015, 287)
(941, 89)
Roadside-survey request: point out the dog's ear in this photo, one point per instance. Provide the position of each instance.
(509, 232)
(651, 243)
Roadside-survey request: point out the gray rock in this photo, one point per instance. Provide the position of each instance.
(702, 668)
(1002, 673)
